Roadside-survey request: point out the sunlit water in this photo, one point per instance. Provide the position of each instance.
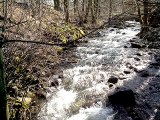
(84, 88)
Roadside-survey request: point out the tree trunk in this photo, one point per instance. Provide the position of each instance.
(75, 6)
(4, 112)
(89, 5)
(139, 11)
(110, 12)
(57, 5)
(145, 17)
(93, 11)
(83, 5)
(66, 10)
(3, 100)
(97, 8)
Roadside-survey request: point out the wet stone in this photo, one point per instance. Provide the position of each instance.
(96, 52)
(143, 73)
(110, 85)
(137, 59)
(139, 54)
(127, 72)
(124, 98)
(150, 88)
(136, 45)
(157, 76)
(125, 46)
(158, 59)
(122, 78)
(155, 64)
(113, 80)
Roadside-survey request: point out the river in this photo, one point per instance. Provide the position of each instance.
(83, 91)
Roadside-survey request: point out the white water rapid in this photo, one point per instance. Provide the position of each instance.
(83, 90)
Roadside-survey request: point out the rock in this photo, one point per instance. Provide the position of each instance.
(112, 30)
(138, 54)
(157, 60)
(137, 59)
(136, 45)
(41, 95)
(123, 98)
(154, 18)
(110, 85)
(132, 40)
(54, 83)
(122, 78)
(127, 72)
(125, 46)
(113, 80)
(155, 64)
(96, 52)
(143, 73)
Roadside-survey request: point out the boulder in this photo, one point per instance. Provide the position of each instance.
(136, 45)
(123, 98)
(154, 18)
(113, 80)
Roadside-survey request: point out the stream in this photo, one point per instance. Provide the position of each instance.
(83, 90)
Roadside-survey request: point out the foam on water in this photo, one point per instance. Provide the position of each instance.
(87, 80)
(55, 109)
(93, 113)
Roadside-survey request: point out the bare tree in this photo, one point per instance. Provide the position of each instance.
(66, 10)
(57, 5)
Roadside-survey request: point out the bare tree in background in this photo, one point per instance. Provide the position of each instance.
(57, 5)
(66, 10)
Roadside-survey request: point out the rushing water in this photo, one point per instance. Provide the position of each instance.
(84, 88)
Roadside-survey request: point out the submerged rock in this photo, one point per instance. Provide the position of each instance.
(113, 80)
(124, 98)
